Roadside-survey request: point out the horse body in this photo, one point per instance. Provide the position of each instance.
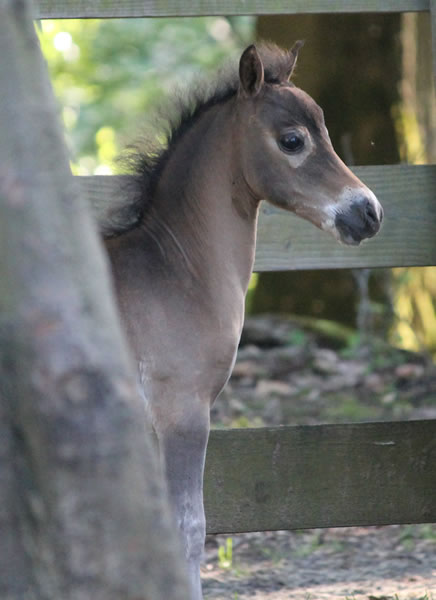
(181, 278)
(181, 274)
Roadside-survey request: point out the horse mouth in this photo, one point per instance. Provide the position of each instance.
(349, 239)
(362, 220)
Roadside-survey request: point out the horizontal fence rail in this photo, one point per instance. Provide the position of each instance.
(69, 9)
(285, 242)
(321, 476)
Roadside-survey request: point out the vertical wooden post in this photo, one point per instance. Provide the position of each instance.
(82, 509)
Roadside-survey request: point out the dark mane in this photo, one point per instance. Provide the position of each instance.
(146, 161)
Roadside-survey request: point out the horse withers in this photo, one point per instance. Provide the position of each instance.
(182, 263)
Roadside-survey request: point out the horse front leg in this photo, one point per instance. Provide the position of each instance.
(183, 449)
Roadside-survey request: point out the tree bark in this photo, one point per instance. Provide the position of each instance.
(416, 113)
(82, 507)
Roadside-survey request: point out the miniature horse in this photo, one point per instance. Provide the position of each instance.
(182, 268)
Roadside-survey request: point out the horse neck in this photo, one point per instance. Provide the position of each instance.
(203, 217)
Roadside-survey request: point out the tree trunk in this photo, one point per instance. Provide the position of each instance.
(82, 508)
(416, 113)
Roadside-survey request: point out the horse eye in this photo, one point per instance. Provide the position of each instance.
(291, 142)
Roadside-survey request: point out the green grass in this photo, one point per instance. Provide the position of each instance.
(225, 554)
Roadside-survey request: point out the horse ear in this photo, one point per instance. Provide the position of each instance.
(250, 71)
(293, 55)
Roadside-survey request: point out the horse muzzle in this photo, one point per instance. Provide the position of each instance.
(360, 220)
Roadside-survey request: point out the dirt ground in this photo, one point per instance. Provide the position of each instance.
(289, 374)
(395, 562)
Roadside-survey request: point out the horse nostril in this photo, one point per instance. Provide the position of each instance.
(370, 212)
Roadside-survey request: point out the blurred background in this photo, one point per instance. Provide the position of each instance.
(371, 74)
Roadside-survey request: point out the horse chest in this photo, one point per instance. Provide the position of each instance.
(189, 352)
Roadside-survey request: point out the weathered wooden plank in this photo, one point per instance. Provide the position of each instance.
(68, 9)
(408, 237)
(321, 476)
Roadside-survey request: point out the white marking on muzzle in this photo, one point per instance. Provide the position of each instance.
(343, 204)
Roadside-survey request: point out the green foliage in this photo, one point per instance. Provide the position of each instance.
(244, 422)
(410, 534)
(347, 407)
(250, 292)
(308, 547)
(336, 334)
(415, 309)
(225, 554)
(298, 337)
(108, 75)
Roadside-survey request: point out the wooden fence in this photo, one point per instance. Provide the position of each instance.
(68, 9)
(327, 475)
